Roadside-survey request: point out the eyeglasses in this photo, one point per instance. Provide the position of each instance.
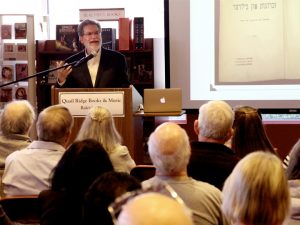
(89, 34)
(115, 208)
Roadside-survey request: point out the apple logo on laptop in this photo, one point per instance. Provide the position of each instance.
(163, 100)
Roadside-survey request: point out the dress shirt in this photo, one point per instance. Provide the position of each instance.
(27, 172)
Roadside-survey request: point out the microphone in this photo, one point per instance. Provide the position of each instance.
(85, 59)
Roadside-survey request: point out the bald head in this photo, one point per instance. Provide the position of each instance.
(154, 208)
(17, 117)
(169, 149)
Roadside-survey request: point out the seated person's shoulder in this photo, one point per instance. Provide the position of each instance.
(121, 150)
(12, 156)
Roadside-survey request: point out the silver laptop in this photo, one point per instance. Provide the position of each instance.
(162, 100)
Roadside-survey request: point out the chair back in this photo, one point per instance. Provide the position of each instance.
(21, 209)
(143, 172)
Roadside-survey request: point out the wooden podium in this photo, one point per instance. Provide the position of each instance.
(129, 126)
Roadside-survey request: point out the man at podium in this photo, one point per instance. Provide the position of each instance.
(94, 66)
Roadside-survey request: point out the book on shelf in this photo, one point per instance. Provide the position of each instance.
(143, 73)
(20, 92)
(258, 42)
(6, 31)
(109, 38)
(21, 52)
(52, 76)
(7, 73)
(67, 37)
(21, 70)
(20, 30)
(6, 94)
(124, 33)
(129, 67)
(8, 47)
(138, 33)
(9, 52)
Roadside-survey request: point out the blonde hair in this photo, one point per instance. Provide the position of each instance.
(257, 192)
(99, 125)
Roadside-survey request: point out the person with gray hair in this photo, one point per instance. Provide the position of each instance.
(16, 120)
(99, 125)
(27, 172)
(104, 69)
(211, 161)
(170, 151)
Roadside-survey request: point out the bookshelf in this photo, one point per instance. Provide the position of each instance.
(46, 53)
(140, 67)
(17, 57)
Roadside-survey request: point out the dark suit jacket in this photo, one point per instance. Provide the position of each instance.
(112, 72)
(211, 162)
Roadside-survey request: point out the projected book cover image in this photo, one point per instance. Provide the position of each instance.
(258, 42)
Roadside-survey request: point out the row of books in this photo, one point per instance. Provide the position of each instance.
(13, 72)
(17, 30)
(14, 51)
(125, 38)
(67, 37)
(8, 94)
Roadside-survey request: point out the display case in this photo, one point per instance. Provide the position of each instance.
(17, 58)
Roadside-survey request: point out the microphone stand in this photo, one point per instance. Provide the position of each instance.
(39, 74)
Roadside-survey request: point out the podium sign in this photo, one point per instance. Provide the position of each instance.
(79, 103)
(122, 103)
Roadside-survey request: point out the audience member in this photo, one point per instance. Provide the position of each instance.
(4, 219)
(170, 152)
(211, 161)
(27, 171)
(16, 120)
(104, 190)
(293, 170)
(99, 125)
(293, 175)
(80, 165)
(154, 208)
(256, 192)
(107, 68)
(248, 132)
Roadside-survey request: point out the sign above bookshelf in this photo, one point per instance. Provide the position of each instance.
(105, 14)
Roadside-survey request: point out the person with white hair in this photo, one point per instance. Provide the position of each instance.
(16, 120)
(211, 160)
(27, 171)
(170, 151)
